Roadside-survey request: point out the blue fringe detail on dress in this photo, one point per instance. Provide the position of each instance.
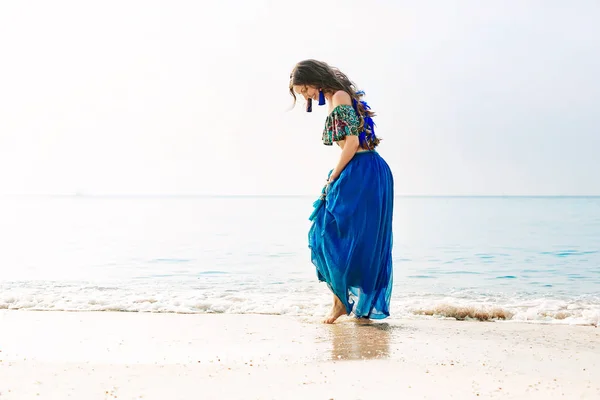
(351, 236)
(368, 132)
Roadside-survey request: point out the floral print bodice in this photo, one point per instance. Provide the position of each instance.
(341, 122)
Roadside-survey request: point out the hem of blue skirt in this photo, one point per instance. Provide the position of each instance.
(349, 305)
(344, 299)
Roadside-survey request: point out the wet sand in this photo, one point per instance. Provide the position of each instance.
(59, 355)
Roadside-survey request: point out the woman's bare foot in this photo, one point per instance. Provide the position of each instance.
(337, 310)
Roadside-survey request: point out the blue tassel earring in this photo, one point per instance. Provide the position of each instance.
(321, 101)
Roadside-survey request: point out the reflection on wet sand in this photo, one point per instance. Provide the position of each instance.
(356, 340)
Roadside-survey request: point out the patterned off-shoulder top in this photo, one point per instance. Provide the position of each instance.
(344, 121)
(341, 122)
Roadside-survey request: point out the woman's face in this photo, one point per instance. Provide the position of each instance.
(308, 92)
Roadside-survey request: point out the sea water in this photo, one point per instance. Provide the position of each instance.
(534, 258)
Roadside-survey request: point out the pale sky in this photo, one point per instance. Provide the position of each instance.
(190, 97)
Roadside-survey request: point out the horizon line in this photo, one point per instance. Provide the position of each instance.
(156, 195)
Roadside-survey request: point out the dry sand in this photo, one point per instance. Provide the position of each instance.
(88, 356)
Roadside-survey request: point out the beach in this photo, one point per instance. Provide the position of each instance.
(163, 229)
(106, 355)
(155, 298)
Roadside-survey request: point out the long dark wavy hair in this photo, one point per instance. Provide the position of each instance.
(330, 80)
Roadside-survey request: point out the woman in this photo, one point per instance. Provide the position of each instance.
(351, 233)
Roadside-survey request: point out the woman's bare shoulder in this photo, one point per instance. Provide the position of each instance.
(340, 98)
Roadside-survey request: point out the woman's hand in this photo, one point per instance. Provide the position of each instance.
(328, 182)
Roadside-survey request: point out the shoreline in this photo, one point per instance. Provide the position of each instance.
(134, 355)
(449, 313)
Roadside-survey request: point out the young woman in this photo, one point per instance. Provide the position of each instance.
(351, 233)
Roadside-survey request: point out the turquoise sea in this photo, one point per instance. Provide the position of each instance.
(535, 258)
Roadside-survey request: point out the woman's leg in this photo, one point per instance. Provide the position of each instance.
(337, 310)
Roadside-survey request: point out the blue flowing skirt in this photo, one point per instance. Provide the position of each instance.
(351, 236)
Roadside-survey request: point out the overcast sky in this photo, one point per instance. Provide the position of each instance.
(190, 97)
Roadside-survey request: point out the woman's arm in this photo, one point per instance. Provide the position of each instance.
(351, 142)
